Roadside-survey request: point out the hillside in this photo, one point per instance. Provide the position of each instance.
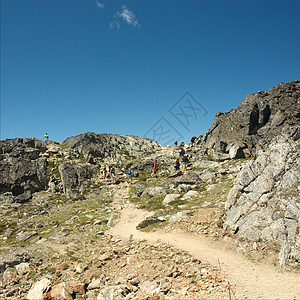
(226, 225)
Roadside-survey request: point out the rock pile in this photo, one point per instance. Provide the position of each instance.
(119, 270)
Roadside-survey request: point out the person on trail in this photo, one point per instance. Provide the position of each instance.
(185, 160)
(175, 143)
(46, 138)
(130, 175)
(104, 171)
(154, 167)
(177, 164)
(182, 152)
(113, 174)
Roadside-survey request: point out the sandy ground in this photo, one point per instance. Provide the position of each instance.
(247, 279)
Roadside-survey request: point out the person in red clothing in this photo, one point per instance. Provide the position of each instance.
(154, 168)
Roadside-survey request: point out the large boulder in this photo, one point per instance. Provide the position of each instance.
(13, 259)
(253, 124)
(22, 170)
(188, 178)
(264, 201)
(75, 178)
(39, 289)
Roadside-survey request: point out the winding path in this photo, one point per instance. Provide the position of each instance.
(249, 280)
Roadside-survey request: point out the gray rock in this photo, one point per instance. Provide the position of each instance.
(156, 190)
(75, 177)
(22, 268)
(218, 155)
(10, 277)
(206, 175)
(284, 253)
(190, 194)
(61, 291)
(59, 236)
(13, 259)
(236, 151)
(188, 178)
(185, 187)
(150, 287)
(178, 216)
(22, 173)
(169, 198)
(110, 293)
(261, 202)
(39, 289)
(25, 235)
(95, 284)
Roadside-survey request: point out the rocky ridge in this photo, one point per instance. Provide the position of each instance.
(253, 124)
(92, 145)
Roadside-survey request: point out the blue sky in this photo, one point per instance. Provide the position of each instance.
(71, 66)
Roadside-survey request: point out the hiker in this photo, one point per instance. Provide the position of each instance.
(182, 152)
(46, 138)
(185, 160)
(175, 143)
(154, 167)
(104, 171)
(112, 174)
(130, 175)
(177, 164)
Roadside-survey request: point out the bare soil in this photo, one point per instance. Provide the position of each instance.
(250, 280)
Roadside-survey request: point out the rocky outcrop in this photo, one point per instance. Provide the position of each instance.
(93, 145)
(253, 124)
(75, 178)
(264, 202)
(28, 165)
(22, 170)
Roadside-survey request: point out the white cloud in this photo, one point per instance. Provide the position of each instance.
(114, 24)
(128, 17)
(99, 4)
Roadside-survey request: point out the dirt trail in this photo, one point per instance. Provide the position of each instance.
(249, 280)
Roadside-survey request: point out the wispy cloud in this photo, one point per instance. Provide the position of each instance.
(125, 15)
(128, 17)
(114, 24)
(99, 4)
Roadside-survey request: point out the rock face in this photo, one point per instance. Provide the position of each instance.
(22, 170)
(253, 124)
(264, 202)
(75, 177)
(93, 145)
